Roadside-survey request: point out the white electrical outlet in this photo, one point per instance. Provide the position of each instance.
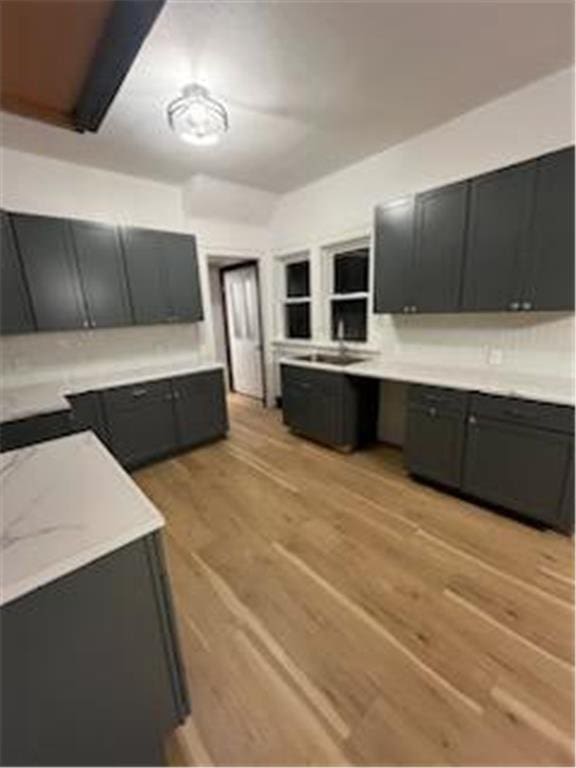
(495, 357)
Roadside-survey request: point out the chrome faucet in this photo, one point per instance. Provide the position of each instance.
(340, 336)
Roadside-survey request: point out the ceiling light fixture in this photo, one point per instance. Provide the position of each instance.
(196, 117)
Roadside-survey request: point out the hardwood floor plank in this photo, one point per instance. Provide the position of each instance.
(332, 611)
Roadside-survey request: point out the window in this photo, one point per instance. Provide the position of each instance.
(297, 299)
(349, 294)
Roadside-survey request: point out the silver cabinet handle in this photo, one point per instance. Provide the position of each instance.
(139, 392)
(432, 411)
(514, 305)
(414, 308)
(405, 309)
(526, 305)
(472, 420)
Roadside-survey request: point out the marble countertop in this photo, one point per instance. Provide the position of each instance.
(494, 381)
(33, 399)
(65, 503)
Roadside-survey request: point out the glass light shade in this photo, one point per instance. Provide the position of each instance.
(196, 117)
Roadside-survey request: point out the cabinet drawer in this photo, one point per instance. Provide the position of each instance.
(454, 400)
(559, 418)
(119, 398)
(327, 383)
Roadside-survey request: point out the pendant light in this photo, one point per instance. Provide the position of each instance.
(196, 117)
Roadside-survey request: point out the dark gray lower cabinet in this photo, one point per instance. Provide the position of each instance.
(435, 431)
(200, 407)
(88, 413)
(332, 408)
(91, 666)
(36, 429)
(518, 456)
(140, 421)
(515, 454)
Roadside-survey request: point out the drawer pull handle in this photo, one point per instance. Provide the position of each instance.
(472, 420)
(432, 411)
(139, 392)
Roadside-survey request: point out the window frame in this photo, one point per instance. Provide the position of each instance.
(286, 301)
(329, 254)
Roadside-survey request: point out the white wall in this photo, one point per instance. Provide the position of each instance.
(526, 123)
(37, 184)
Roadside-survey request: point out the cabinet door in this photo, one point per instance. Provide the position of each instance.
(497, 231)
(518, 468)
(15, 308)
(393, 256)
(439, 253)
(200, 406)
(295, 398)
(88, 413)
(142, 433)
(50, 267)
(434, 444)
(182, 278)
(550, 279)
(102, 274)
(143, 250)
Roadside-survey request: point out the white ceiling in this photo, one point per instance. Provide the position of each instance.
(310, 86)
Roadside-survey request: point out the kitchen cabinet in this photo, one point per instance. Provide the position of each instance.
(499, 242)
(497, 230)
(102, 274)
(51, 272)
(162, 276)
(91, 665)
(200, 407)
(435, 433)
(419, 252)
(393, 256)
(182, 278)
(36, 429)
(140, 420)
(15, 308)
(88, 413)
(549, 280)
(436, 271)
(329, 407)
(518, 455)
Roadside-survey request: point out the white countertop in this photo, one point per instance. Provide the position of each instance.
(30, 400)
(65, 503)
(493, 381)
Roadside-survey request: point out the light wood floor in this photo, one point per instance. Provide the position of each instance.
(333, 612)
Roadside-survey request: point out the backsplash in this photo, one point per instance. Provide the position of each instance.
(539, 343)
(72, 355)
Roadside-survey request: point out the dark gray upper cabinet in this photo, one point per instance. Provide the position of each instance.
(15, 308)
(50, 267)
(549, 282)
(162, 276)
(146, 279)
(393, 256)
(439, 252)
(497, 230)
(182, 278)
(200, 407)
(102, 274)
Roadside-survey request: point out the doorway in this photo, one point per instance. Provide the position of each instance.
(238, 324)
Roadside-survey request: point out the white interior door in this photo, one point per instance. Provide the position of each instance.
(244, 332)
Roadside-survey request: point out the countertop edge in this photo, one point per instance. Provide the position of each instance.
(363, 369)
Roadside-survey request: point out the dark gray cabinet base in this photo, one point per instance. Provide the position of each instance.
(36, 429)
(91, 666)
(514, 454)
(330, 407)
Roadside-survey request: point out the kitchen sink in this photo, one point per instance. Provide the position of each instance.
(331, 359)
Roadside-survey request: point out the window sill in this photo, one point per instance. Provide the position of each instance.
(361, 346)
